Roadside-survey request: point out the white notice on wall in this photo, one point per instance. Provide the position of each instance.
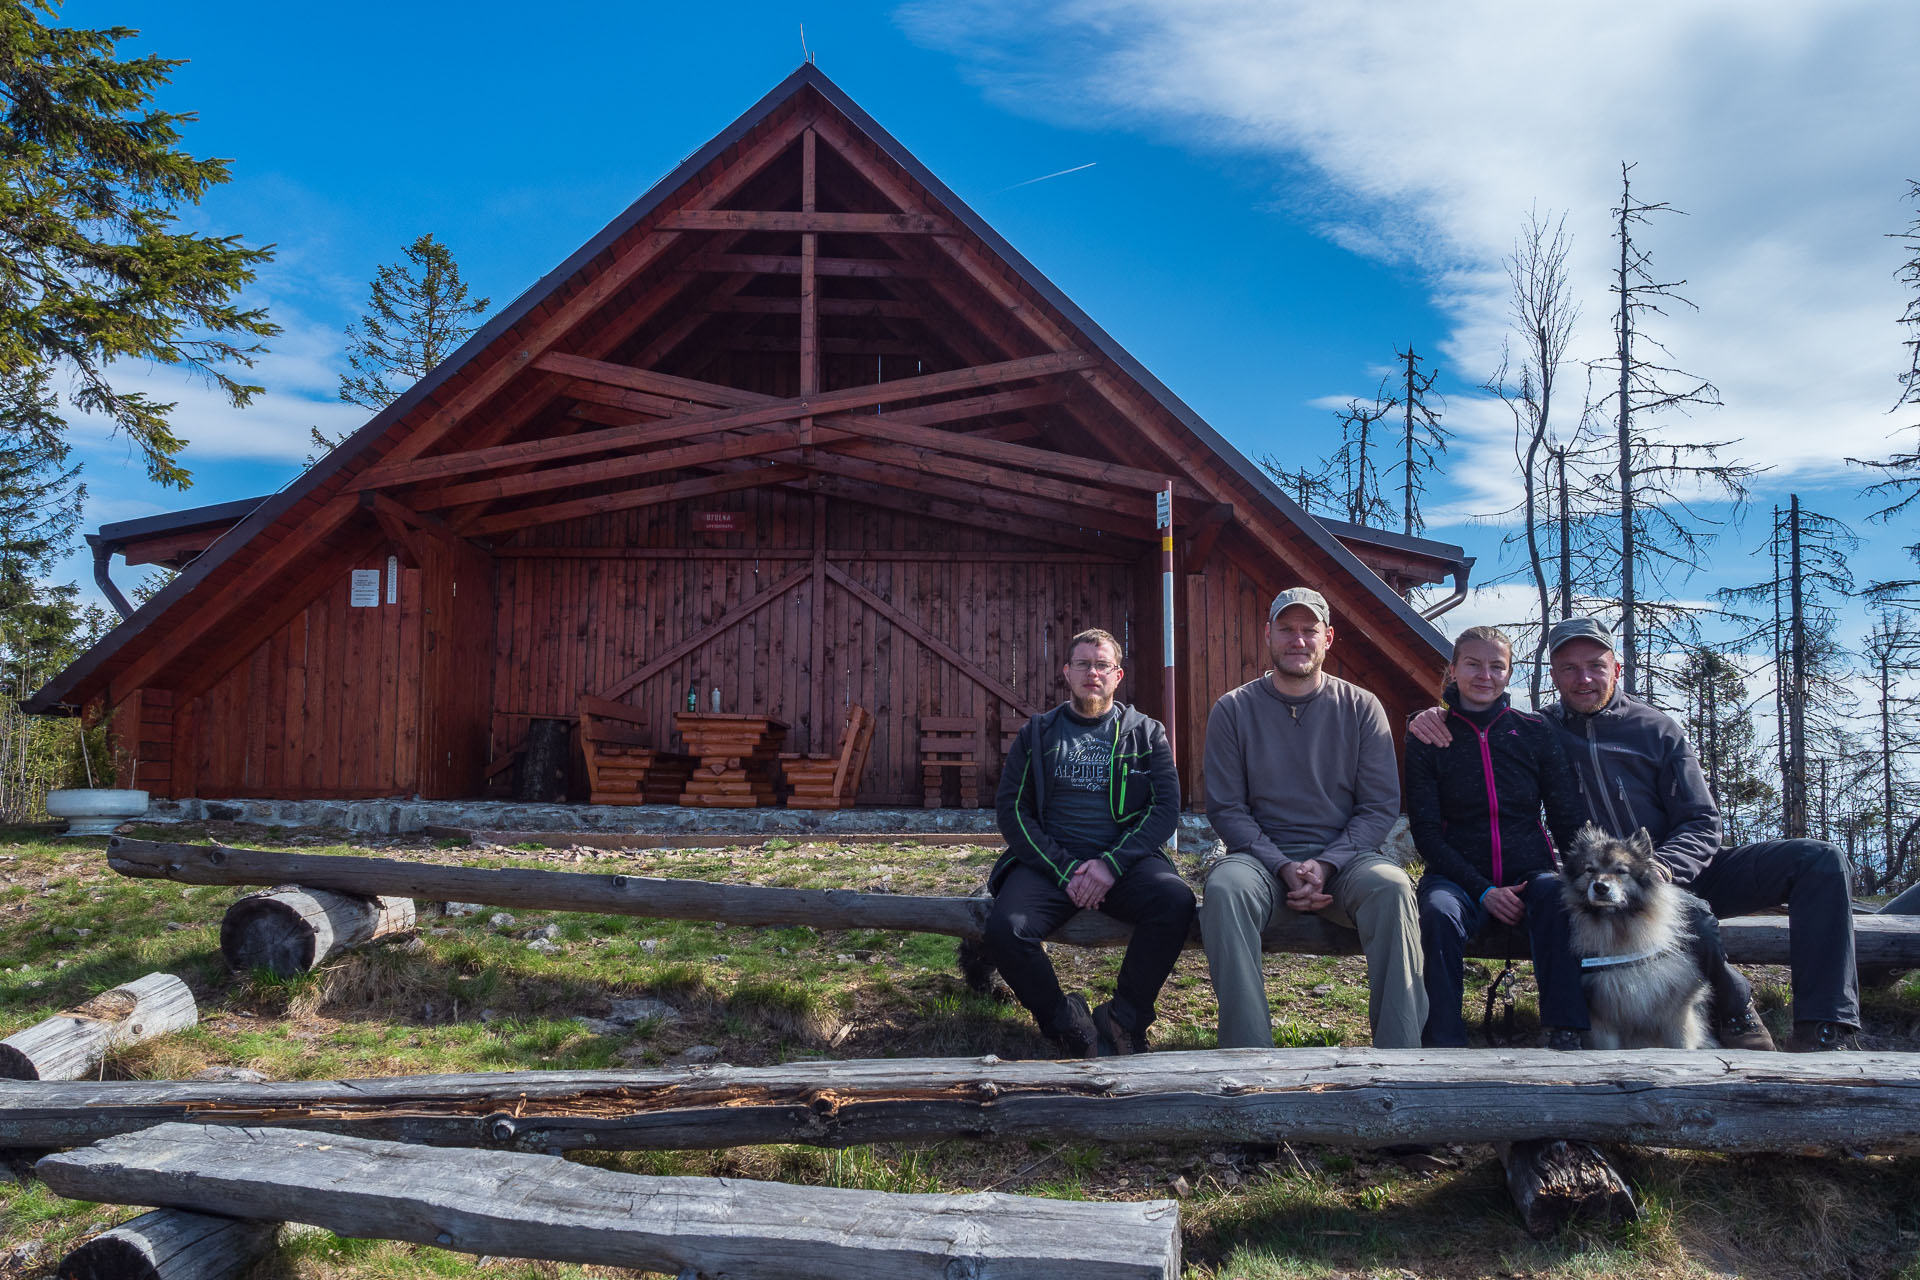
(366, 589)
(393, 579)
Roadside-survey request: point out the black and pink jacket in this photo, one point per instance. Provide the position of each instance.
(1476, 805)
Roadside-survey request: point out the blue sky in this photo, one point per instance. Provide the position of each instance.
(1279, 195)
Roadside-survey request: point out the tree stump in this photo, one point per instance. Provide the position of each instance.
(292, 929)
(69, 1045)
(1553, 1181)
(171, 1244)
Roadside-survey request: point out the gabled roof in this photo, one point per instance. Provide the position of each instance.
(281, 547)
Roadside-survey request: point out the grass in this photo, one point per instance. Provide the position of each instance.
(469, 994)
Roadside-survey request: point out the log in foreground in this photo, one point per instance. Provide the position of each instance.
(71, 1044)
(1883, 941)
(171, 1244)
(529, 1206)
(292, 929)
(1711, 1100)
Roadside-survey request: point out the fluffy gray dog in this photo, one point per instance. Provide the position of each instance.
(1626, 927)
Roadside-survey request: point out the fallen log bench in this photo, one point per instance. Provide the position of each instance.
(1881, 941)
(1717, 1100)
(531, 1206)
(295, 928)
(171, 1244)
(71, 1044)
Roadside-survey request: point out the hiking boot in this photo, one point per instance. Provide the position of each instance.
(1744, 1030)
(1116, 1039)
(1072, 1030)
(1820, 1037)
(1564, 1039)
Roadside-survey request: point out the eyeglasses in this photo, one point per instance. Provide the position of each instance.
(1098, 668)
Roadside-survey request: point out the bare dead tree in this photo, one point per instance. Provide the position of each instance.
(1810, 554)
(1422, 438)
(1899, 485)
(1892, 651)
(1663, 485)
(1355, 465)
(1311, 489)
(1543, 311)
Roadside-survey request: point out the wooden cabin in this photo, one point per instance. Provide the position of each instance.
(798, 427)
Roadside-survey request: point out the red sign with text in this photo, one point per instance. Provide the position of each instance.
(718, 521)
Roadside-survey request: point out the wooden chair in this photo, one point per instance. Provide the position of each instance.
(831, 782)
(951, 743)
(621, 767)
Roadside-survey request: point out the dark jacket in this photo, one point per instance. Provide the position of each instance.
(1475, 804)
(1637, 769)
(1143, 795)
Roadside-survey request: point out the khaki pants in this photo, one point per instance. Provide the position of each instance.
(1371, 895)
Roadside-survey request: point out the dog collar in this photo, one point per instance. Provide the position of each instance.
(1608, 962)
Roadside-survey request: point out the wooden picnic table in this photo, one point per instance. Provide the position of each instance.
(738, 752)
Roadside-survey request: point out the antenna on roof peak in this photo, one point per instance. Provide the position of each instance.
(806, 54)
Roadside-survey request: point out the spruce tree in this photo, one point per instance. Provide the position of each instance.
(418, 314)
(95, 275)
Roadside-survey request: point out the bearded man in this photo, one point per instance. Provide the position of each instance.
(1303, 788)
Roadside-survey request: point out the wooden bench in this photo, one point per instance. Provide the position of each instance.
(951, 743)
(621, 767)
(831, 782)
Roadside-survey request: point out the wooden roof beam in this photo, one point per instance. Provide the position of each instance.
(605, 469)
(860, 307)
(629, 499)
(604, 285)
(802, 221)
(972, 515)
(758, 412)
(772, 264)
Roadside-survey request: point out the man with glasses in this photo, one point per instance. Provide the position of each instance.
(1303, 788)
(1088, 799)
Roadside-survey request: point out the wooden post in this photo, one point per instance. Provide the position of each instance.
(69, 1045)
(295, 929)
(1169, 698)
(171, 1244)
(1880, 941)
(538, 1206)
(1724, 1100)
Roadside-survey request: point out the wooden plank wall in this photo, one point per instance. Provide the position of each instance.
(327, 707)
(573, 621)
(449, 717)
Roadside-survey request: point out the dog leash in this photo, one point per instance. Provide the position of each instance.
(1501, 988)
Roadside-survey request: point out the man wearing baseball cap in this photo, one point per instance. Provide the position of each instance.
(1637, 769)
(1303, 787)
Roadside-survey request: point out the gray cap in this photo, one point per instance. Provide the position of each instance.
(1579, 629)
(1301, 595)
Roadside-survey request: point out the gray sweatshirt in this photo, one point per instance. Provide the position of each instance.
(1285, 773)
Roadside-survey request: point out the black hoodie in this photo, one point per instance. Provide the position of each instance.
(1475, 804)
(1143, 794)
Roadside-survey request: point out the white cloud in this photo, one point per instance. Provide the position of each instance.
(1783, 129)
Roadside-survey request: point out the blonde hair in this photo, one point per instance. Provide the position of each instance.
(1486, 635)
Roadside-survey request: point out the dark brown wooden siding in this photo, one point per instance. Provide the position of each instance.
(576, 618)
(328, 706)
